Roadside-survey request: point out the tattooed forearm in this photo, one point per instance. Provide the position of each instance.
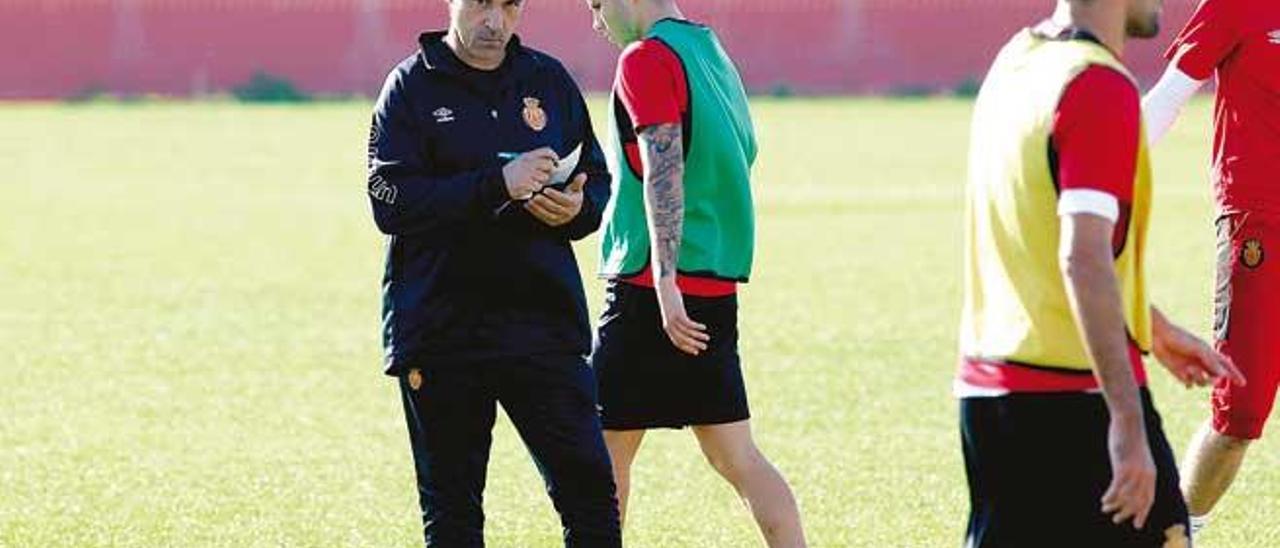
(662, 151)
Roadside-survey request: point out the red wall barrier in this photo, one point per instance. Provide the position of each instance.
(57, 48)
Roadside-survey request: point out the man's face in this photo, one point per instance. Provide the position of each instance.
(615, 20)
(483, 28)
(1143, 19)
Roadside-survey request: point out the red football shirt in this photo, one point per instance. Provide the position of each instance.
(1239, 40)
(653, 90)
(1094, 146)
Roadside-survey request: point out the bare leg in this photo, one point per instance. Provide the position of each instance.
(1211, 464)
(623, 446)
(731, 451)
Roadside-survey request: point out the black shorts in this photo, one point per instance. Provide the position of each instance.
(1038, 466)
(645, 382)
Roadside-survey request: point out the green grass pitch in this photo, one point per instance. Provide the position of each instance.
(189, 335)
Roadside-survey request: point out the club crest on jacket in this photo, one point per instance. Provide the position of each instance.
(534, 116)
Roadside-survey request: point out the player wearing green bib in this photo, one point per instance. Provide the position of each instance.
(678, 238)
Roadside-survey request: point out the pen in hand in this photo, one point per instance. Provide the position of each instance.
(506, 158)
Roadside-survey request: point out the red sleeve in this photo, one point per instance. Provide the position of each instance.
(1096, 132)
(651, 84)
(1209, 37)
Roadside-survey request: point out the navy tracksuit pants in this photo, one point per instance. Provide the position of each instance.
(551, 400)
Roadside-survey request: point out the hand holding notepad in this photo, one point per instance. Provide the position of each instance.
(536, 171)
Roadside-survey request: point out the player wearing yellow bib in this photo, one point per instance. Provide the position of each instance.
(1062, 444)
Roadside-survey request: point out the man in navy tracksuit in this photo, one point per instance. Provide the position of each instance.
(474, 178)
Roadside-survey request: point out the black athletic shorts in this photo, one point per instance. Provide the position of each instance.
(645, 382)
(1038, 466)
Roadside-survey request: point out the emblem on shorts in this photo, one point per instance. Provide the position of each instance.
(1176, 537)
(1252, 254)
(415, 379)
(1274, 36)
(534, 116)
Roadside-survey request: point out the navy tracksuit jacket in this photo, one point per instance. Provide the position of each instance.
(460, 283)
